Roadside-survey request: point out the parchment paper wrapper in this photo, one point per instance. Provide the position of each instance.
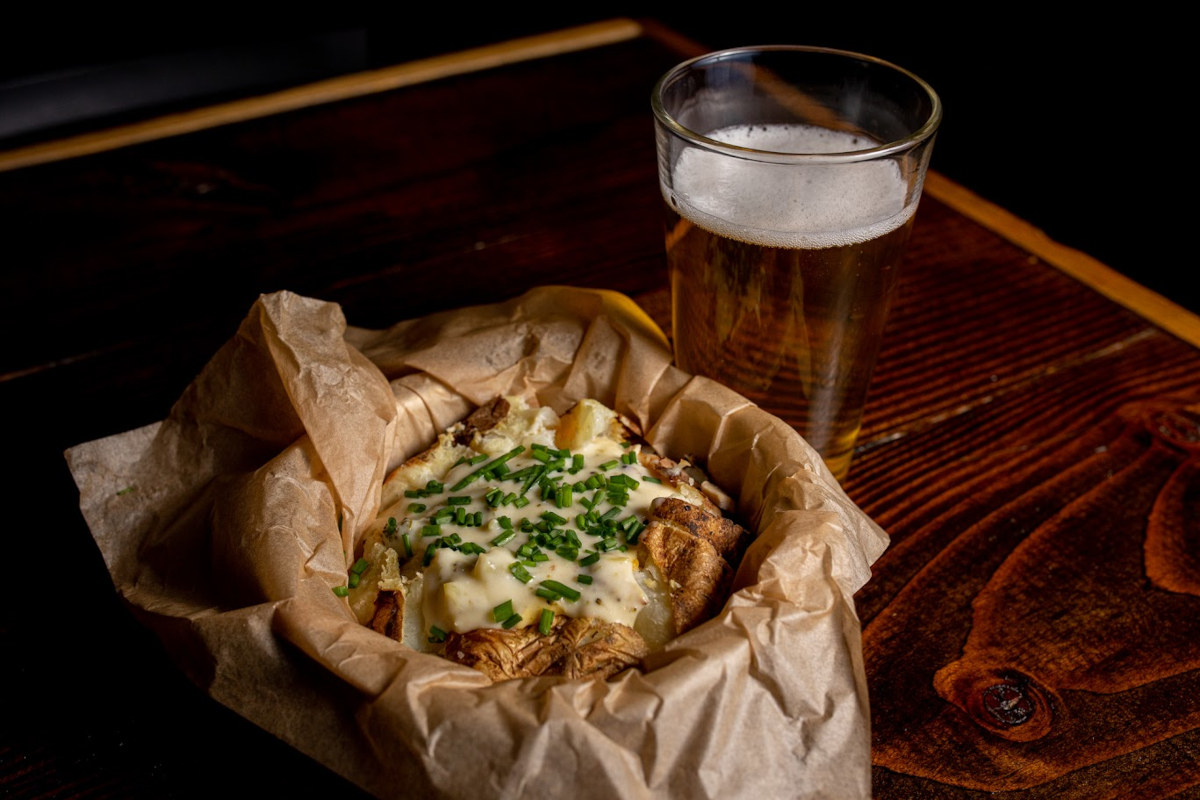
(226, 525)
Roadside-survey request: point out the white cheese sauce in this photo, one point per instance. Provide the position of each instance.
(489, 543)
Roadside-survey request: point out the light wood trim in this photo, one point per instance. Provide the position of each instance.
(328, 91)
(1087, 270)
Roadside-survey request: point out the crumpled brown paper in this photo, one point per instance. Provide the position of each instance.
(226, 525)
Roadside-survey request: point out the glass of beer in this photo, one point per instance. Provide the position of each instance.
(790, 177)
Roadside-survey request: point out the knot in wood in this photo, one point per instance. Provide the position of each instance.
(1008, 704)
(1179, 427)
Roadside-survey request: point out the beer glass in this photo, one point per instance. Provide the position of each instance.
(790, 176)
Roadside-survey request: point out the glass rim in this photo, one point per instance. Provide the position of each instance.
(920, 135)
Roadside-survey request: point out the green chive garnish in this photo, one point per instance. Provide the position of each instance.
(472, 476)
(436, 634)
(561, 588)
(503, 611)
(584, 579)
(341, 591)
(519, 572)
(546, 622)
(511, 621)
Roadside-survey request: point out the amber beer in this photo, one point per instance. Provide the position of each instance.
(781, 278)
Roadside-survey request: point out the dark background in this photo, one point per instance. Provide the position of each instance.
(1042, 113)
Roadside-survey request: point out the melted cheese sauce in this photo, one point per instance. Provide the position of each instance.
(549, 529)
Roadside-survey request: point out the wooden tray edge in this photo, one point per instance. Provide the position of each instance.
(330, 90)
(1085, 269)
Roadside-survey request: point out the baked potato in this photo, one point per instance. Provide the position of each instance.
(525, 544)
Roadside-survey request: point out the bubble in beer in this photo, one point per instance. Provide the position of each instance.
(791, 206)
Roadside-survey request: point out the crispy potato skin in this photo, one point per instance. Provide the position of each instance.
(694, 548)
(482, 420)
(389, 615)
(574, 648)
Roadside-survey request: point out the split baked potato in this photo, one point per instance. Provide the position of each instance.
(525, 544)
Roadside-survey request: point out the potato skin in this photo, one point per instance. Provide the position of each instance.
(574, 648)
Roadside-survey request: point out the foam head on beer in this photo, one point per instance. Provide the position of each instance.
(802, 206)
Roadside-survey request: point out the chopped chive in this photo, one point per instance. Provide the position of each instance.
(504, 522)
(546, 622)
(475, 474)
(511, 621)
(479, 459)
(436, 634)
(431, 530)
(607, 465)
(547, 594)
(652, 479)
(414, 508)
(584, 579)
(360, 566)
(564, 497)
(503, 611)
(587, 561)
(519, 572)
(477, 519)
(341, 591)
(355, 579)
(521, 502)
(390, 527)
(458, 500)
(408, 551)
(561, 588)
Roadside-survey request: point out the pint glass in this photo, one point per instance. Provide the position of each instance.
(790, 176)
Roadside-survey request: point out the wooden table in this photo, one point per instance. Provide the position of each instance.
(1032, 442)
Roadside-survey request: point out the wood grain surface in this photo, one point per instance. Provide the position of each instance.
(1029, 443)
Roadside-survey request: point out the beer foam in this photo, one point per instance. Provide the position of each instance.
(790, 205)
